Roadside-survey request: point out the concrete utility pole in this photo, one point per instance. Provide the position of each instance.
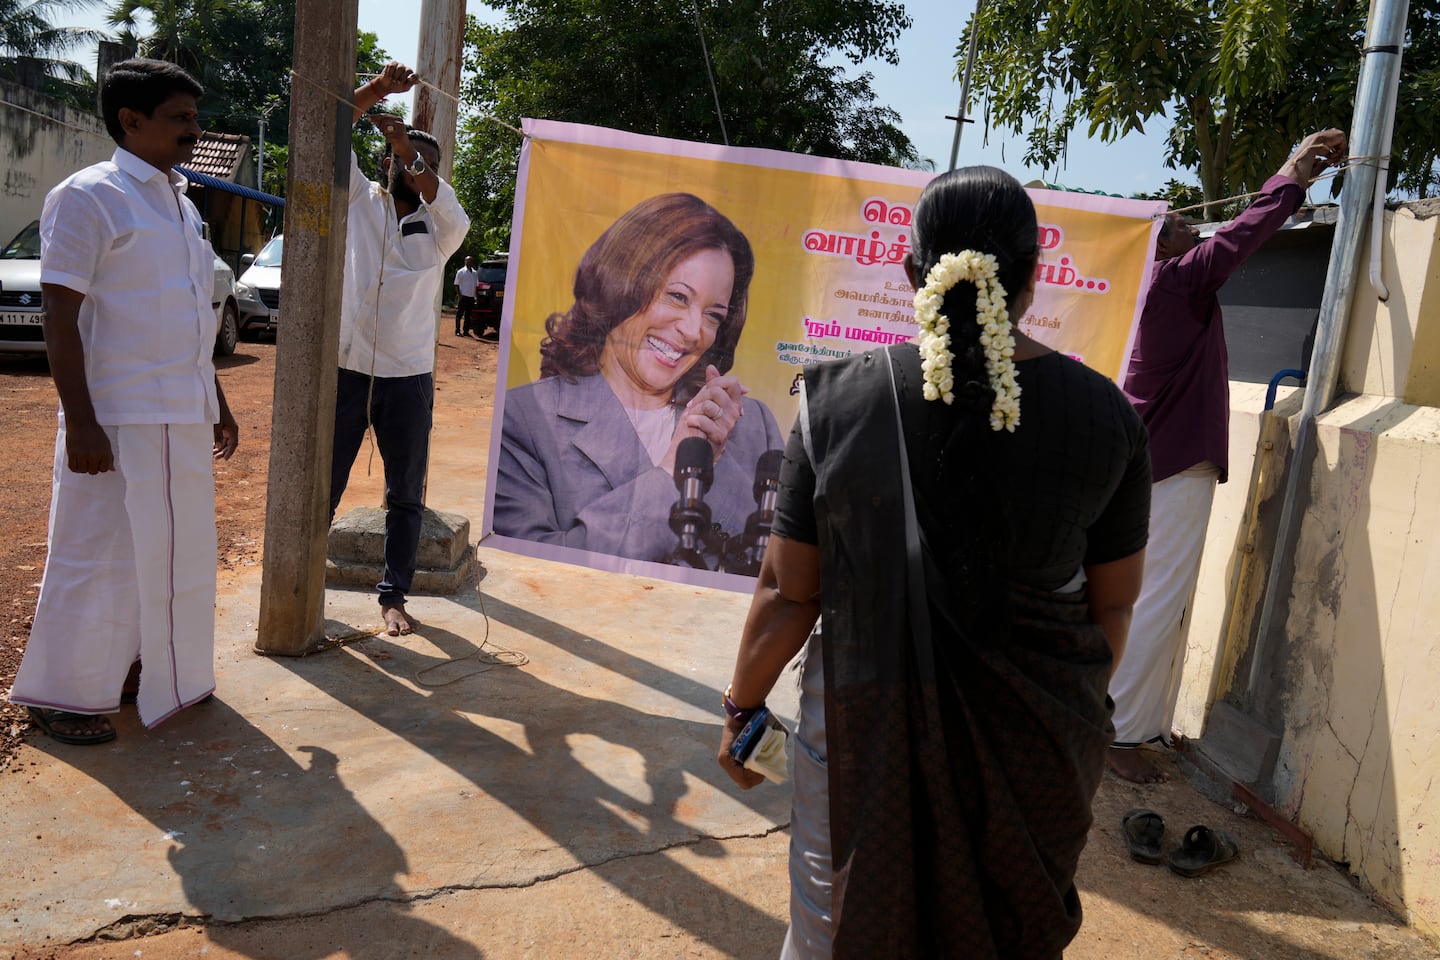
(292, 589)
(442, 40)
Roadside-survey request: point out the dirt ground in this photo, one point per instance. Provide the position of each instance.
(1262, 907)
(27, 395)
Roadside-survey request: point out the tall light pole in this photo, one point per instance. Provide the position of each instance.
(960, 118)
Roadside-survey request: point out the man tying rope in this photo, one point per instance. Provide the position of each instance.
(398, 241)
(1179, 382)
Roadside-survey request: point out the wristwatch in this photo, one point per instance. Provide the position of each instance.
(417, 166)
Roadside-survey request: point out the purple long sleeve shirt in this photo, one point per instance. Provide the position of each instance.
(1179, 370)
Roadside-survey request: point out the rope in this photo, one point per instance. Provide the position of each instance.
(490, 659)
(1330, 174)
(500, 658)
(343, 101)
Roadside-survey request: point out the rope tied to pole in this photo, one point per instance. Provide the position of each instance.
(348, 103)
(1330, 174)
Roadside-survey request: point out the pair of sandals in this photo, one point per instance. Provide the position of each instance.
(1201, 851)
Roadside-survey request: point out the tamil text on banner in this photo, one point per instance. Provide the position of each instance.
(650, 278)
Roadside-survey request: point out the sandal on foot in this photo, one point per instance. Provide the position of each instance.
(1144, 831)
(46, 720)
(1203, 850)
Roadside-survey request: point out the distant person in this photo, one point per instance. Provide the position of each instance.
(127, 276)
(638, 364)
(400, 236)
(467, 279)
(1179, 382)
(974, 559)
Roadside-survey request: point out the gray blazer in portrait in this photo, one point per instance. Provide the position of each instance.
(573, 472)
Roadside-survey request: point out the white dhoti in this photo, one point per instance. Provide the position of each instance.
(1146, 684)
(130, 573)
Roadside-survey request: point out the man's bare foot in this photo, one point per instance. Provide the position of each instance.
(397, 622)
(1133, 765)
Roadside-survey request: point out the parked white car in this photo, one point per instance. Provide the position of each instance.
(20, 324)
(20, 330)
(259, 288)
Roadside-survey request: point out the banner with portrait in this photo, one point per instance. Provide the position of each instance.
(661, 299)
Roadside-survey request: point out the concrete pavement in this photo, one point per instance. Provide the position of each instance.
(426, 797)
(392, 770)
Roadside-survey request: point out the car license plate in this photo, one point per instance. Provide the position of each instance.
(21, 319)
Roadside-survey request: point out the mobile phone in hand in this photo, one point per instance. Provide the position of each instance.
(749, 736)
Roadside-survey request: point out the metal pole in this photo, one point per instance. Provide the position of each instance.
(965, 82)
(260, 157)
(1384, 35)
(709, 72)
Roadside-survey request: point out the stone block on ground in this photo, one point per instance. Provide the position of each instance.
(355, 555)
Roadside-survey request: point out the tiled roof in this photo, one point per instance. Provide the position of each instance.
(219, 154)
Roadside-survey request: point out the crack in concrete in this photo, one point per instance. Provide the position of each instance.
(139, 926)
(1349, 794)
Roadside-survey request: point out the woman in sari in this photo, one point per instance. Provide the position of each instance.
(975, 588)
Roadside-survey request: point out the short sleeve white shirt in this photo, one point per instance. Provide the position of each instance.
(123, 234)
(467, 279)
(393, 273)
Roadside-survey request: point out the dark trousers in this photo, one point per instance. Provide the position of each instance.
(463, 310)
(400, 414)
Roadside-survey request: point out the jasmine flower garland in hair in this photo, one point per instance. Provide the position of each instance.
(995, 333)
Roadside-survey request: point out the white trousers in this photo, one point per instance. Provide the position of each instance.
(1146, 684)
(130, 573)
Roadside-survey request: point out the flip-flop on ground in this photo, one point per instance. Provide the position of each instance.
(1203, 850)
(1144, 832)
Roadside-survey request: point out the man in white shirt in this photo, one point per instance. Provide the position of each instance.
(467, 278)
(400, 236)
(126, 276)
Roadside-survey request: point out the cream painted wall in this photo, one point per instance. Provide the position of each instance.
(1359, 765)
(1387, 351)
(36, 153)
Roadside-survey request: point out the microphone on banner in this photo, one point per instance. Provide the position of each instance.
(749, 550)
(690, 516)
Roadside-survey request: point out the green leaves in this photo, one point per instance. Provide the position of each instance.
(1244, 80)
(26, 31)
(239, 50)
(637, 65)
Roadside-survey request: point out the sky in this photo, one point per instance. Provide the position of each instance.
(923, 88)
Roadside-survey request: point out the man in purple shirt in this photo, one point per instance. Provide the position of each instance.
(1179, 382)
